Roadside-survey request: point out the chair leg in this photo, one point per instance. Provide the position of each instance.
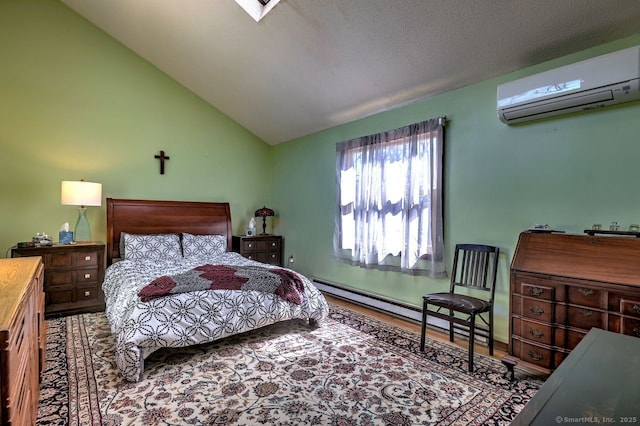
(424, 326)
(472, 339)
(491, 332)
(451, 327)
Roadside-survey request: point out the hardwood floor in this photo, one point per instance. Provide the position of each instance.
(499, 348)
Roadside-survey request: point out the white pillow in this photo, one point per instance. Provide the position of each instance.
(203, 245)
(151, 246)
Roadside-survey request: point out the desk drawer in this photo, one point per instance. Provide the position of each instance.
(585, 318)
(630, 326)
(538, 291)
(546, 334)
(534, 331)
(586, 296)
(539, 310)
(630, 307)
(538, 355)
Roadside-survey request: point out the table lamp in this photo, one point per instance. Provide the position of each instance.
(81, 193)
(263, 213)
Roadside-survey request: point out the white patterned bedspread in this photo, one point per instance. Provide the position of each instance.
(191, 318)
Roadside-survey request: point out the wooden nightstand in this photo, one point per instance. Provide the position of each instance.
(263, 248)
(73, 275)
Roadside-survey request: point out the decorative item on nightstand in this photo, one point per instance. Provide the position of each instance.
(81, 193)
(251, 230)
(263, 213)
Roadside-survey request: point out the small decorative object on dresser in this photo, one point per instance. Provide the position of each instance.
(263, 248)
(22, 339)
(562, 286)
(73, 275)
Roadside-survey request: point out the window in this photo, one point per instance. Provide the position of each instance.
(389, 196)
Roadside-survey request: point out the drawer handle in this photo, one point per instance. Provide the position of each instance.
(87, 293)
(587, 313)
(536, 291)
(536, 333)
(250, 245)
(273, 244)
(249, 257)
(87, 258)
(536, 311)
(636, 309)
(586, 291)
(273, 256)
(535, 356)
(636, 332)
(87, 276)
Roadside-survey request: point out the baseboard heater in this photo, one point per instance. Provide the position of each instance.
(383, 304)
(387, 305)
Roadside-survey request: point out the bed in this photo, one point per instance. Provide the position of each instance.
(159, 254)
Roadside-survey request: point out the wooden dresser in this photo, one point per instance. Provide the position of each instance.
(73, 275)
(22, 339)
(263, 248)
(563, 285)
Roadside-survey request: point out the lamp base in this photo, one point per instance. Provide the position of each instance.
(83, 231)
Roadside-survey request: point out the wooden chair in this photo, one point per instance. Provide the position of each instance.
(474, 269)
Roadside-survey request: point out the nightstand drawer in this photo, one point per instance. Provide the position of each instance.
(86, 259)
(87, 293)
(250, 246)
(273, 245)
(60, 260)
(68, 260)
(55, 278)
(273, 258)
(59, 297)
(86, 276)
(260, 256)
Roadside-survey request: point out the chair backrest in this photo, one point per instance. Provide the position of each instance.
(475, 266)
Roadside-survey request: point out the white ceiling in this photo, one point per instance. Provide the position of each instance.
(313, 64)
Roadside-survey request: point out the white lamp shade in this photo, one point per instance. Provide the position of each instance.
(81, 193)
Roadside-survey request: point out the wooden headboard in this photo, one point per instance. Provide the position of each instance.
(164, 217)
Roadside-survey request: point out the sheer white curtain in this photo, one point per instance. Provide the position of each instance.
(389, 206)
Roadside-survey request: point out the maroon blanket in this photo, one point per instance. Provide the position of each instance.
(284, 283)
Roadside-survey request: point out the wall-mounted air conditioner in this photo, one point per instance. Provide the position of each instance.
(595, 83)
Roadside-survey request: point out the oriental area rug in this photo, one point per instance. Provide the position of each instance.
(349, 370)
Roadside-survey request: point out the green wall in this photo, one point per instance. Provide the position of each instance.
(75, 103)
(568, 172)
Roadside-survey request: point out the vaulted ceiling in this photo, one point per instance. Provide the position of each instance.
(313, 64)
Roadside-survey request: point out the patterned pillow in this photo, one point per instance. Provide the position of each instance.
(203, 245)
(151, 247)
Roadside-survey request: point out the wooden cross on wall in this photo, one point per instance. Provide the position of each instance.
(162, 157)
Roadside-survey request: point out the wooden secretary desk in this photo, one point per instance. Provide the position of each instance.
(561, 286)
